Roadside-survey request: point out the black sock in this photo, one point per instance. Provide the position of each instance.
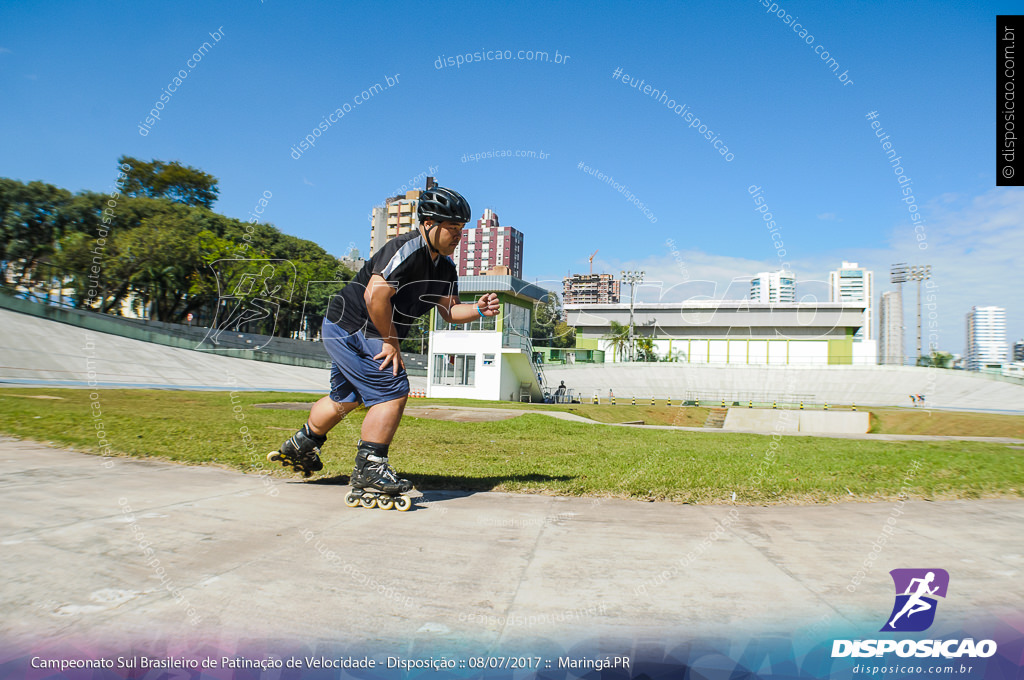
(371, 449)
(318, 439)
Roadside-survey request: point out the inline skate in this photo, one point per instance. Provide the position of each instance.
(374, 482)
(300, 452)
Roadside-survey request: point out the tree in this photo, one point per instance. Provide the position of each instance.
(159, 261)
(31, 222)
(415, 342)
(173, 181)
(564, 335)
(618, 339)
(645, 350)
(937, 360)
(547, 325)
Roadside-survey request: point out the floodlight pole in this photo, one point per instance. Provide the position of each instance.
(632, 278)
(919, 273)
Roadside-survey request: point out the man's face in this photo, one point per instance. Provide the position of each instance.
(446, 238)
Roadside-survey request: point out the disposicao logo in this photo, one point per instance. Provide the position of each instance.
(913, 612)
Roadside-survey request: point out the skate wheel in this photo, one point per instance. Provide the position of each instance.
(368, 502)
(274, 456)
(385, 503)
(352, 500)
(403, 503)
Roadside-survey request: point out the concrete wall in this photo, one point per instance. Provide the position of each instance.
(756, 351)
(867, 385)
(790, 421)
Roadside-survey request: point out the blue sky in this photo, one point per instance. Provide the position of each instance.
(77, 79)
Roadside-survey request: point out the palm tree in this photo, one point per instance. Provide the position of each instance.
(618, 338)
(645, 349)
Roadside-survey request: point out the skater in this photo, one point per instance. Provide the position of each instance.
(913, 398)
(361, 332)
(560, 393)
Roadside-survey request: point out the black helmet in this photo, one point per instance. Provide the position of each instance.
(443, 205)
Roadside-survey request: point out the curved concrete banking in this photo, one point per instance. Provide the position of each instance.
(39, 352)
(863, 385)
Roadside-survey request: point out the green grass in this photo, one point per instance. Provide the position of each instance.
(959, 423)
(883, 420)
(623, 412)
(530, 453)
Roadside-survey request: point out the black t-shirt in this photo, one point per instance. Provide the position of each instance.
(405, 264)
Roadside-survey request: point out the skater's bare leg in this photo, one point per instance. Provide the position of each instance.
(372, 473)
(301, 450)
(326, 413)
(382, 421)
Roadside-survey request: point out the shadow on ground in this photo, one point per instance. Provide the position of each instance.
(426, 483)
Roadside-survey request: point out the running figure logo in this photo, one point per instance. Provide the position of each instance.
(914, 610)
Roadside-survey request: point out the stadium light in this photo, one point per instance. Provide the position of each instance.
(919, 273)
(632, 278)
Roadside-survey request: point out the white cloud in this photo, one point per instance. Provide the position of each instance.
(974, 244)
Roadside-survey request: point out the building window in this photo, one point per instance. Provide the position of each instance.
(454, 369)
(515, 330)
(487, 323)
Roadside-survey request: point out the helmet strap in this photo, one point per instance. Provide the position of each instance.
(435, 225)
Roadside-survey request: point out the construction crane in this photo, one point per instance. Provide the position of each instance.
(592, 262)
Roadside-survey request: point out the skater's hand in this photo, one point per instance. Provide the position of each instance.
(391, 355)
(488, 304)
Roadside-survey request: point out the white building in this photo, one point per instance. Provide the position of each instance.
(986, 338)
(773, 287)
(489, 358)
(890, 328)
(733, 331)
(851, 283)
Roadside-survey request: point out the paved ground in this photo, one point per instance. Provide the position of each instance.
(238, 555)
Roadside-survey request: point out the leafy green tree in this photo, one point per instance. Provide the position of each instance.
(618, 339)
(170, 180)
(564, 335)
(157, 243)
(937, 360)
(159, 261)
(645, 350)
(416, 341)
(31, 222)
(547, 325)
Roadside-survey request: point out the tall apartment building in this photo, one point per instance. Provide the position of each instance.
(590, 289)
(986, 338)
(489, 244)
(397, 216)
(1018, 350)
(777, 286)
(851, 283)
(890, 328)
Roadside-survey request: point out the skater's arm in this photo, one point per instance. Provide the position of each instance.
(454, 312)
(378, 306)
